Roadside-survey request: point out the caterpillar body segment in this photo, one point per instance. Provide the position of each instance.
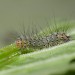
(63, 37)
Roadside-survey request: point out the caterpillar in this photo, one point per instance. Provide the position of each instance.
(40, 42)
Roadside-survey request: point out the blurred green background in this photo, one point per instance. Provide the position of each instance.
(15, 13)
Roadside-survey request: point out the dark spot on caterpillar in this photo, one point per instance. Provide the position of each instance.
(72, 61)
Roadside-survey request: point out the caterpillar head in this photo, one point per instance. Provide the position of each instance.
(63, 37)
(20, 43)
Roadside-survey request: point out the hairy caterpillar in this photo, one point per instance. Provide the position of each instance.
(52, 39)
(41, 42)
